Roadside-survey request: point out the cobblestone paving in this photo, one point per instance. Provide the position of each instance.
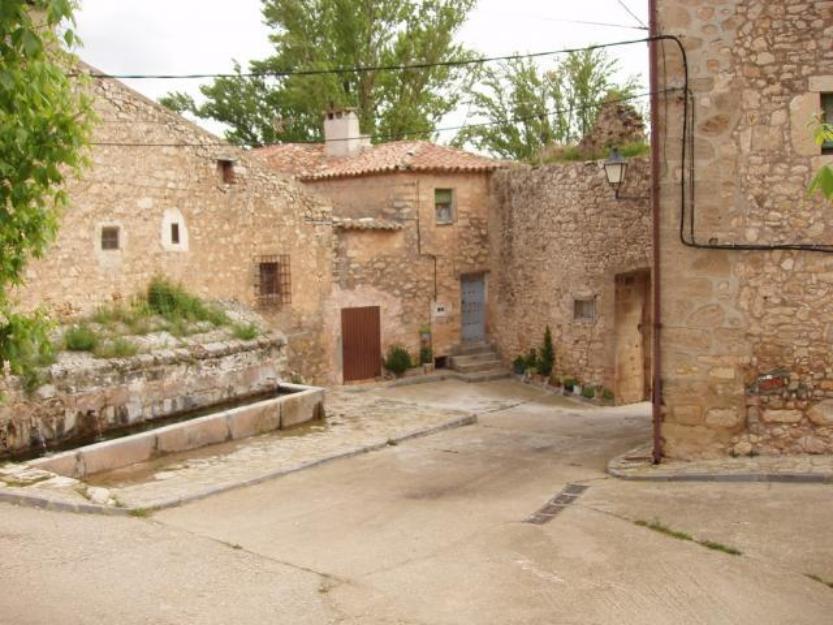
(636, 465)
(357, 420)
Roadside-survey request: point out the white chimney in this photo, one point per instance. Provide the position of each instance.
(342, 135)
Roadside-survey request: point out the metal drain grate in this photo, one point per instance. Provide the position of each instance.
(555, 505)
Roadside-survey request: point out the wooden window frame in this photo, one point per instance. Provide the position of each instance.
(452, 207)
(827, 116)
(277, 292)
(110, 238)
(579, 310)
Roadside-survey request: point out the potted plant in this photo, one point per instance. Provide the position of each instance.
(398, 360)
(570, 384)
(519, 365)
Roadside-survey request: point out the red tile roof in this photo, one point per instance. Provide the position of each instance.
(308, 161)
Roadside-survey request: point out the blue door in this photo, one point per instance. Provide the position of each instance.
(473, 307)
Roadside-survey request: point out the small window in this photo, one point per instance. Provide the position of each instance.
(584, 309)
(110, 238)
(175, 233)
(444, 206)
(273, 285)
(226, 169)
(827, 116)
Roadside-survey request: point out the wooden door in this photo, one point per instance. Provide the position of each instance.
(361, 342)
(473, 307)
(633, 354)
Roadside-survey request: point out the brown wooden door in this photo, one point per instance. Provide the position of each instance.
(361, 343)
(633, 349)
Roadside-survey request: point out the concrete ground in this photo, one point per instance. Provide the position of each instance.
(432, 531)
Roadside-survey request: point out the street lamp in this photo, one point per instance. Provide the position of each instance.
(616, 167)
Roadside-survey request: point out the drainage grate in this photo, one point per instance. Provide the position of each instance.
(555, 505)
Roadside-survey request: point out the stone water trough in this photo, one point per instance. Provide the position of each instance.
(291, 405)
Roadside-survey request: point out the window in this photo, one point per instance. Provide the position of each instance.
(444, 206)
(272, 281)
(584, 309)
(226, 169)
(827, 116)
(110, 238)
(175, 233)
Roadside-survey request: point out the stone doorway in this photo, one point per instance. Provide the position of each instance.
(633, 337)
(473, 307)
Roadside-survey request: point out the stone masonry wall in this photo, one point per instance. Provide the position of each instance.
(80, 401)
(224, 228)
(560, 234)
(747, 364)
(396, 269)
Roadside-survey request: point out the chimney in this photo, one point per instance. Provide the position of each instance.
(342, 135)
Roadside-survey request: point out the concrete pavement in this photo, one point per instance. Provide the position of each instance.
(432, 531)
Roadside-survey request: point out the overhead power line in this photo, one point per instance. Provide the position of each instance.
(361, 69)
(632, 14)
(402, 135)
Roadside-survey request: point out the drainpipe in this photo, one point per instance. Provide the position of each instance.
(656, 390)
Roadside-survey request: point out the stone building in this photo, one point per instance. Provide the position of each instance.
(412, 245)
(162, 196)
(747, 278)
(566, 253)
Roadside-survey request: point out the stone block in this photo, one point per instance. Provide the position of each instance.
(822, 413)
(783, 416)
(723, 418)
(193, 434)
(116, 453)
(687, 414)
(301, 408)
(62, 464)
(255, 419)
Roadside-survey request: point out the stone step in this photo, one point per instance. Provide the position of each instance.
(477, 367)
(469, 349)
(485, 376)
(471, 359)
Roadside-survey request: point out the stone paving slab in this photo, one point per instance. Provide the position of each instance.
(636, 465)
(356, 423)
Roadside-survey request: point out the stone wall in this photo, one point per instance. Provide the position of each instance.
(81, 400)
(224, 228)
(747, 364)
(395, 269)
(559, 234)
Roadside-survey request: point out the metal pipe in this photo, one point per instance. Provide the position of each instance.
(656, 390)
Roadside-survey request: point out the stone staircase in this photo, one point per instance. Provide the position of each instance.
(477, 362)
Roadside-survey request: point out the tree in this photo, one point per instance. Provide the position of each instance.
(523, 109)
(326, 34)
(546, 361)
(45, 120)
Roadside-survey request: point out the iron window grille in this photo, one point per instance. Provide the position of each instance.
(827, 116)
(273, 281)
(110, 238)
(444, 206)
(584, 310)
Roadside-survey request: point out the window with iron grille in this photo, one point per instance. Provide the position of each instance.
(584, 309)
(444, 206)
(827, 116)
(273, 286)
(110, 238)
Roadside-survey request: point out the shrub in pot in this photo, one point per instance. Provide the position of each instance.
(519, 365)
(398, 360)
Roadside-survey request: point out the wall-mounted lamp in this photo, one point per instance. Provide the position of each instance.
(616, 168)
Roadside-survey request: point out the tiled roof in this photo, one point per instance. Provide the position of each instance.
(366, 223)
(309, 162)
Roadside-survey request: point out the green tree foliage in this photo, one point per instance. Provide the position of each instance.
(823, 181)
(45, 120)
(525, 109)
(546, 361)
(326, 34)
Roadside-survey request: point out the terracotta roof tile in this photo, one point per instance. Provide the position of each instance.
(309, 162)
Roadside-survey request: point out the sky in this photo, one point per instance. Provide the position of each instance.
(205, 36)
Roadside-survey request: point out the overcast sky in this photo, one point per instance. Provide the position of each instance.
(203, 36)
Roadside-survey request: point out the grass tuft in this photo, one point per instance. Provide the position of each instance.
(81, 338)
(174, 303)
(118, 348)
(140, 513)
(245, 332)
(658, 526)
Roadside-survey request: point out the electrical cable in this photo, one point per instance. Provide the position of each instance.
(359, 69)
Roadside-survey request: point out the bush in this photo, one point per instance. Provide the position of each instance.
(80, 338)
(607, 394)
(174, 303)
(398, 360)
(519, 365)
(570, 383)
(25, 345)
(119, 348)
(588, 392)
(426, 356)
(547, 359)
(245, 332)
(531, 360)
